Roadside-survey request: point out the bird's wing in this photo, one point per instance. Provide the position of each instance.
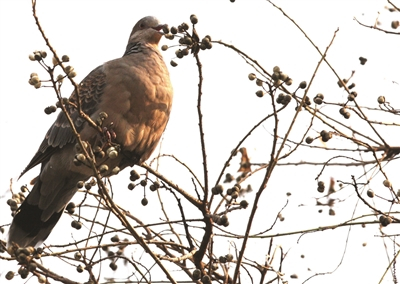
(60, 133)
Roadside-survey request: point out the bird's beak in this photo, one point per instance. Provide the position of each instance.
(158, 28)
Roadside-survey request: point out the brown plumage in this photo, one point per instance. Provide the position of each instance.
(136, 94)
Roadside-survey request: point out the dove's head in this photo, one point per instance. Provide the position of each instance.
(147, 30)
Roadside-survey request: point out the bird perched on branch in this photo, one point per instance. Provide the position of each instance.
(129, 99)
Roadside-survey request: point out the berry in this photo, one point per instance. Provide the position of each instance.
(260, 93)
(309, 140)
(113, 266)
(244, 204)
(395, 24)
(134, 175)
(196, 274)
(194, 19)
(276, 69)
(252, 76)
(387, 183)
(363, 60)
(77, 256)
(165, 29)
(9, 275)
(317, 101)
(112, 153)
(76, 225)
(303, 85)
(103, 168)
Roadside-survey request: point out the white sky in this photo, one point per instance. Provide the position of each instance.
(92, 32)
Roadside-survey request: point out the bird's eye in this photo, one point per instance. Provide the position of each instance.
(141, 26)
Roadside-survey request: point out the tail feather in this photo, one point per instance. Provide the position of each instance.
(27, 228)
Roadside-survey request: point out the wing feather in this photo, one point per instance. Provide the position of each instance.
(60, 133)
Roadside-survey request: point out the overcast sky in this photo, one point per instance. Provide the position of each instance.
(92, 32)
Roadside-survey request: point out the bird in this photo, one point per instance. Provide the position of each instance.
(132, 96)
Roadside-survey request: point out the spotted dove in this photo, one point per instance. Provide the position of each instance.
(132, 97)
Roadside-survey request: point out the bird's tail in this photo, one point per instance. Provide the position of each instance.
(39, 213)
(27, 228)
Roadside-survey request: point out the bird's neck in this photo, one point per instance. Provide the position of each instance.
(133, 47)
(136, 47)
